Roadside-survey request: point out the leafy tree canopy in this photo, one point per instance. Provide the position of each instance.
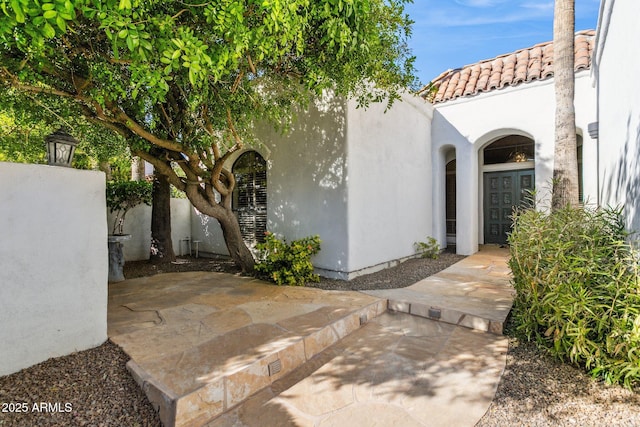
(182, 81)
(25, 122)
(243, 58)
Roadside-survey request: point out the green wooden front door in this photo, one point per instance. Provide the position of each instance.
(502, 192)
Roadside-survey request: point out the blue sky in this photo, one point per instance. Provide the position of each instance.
(452, 33)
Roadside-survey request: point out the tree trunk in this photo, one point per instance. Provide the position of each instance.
(105, 167)
(238, 250)
(161, 244)
(228, 221)
(215, 203)
(137, 169)
(565, 168)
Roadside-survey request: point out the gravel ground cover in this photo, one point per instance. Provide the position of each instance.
(537, 390)
(93, 387)
(88, 388)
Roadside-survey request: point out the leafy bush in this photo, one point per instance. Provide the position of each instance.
(124, 195)
(287, 264)
(428, 249)
(578, 289)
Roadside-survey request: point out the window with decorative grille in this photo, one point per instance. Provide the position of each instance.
(250, 196)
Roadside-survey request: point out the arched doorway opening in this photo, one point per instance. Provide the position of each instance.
(250, 196)
(508, 179)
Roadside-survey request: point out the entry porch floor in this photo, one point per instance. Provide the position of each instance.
(223, 350)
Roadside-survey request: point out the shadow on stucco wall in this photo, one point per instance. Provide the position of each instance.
(623, 183)
(307, 179)
(306, 182)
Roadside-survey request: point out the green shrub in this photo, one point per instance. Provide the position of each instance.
(578, 289)
(287, 264)
(428, 249)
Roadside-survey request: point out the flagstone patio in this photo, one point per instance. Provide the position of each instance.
(218, 349)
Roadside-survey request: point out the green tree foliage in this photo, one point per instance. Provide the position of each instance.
(578, 289)
(25, 122)
(184, 81)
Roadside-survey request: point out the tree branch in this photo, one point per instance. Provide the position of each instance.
(251, 66)
(163, 168)
(15, 83)
(134, 127)
(239, 143)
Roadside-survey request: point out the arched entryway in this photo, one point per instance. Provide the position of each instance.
(508, 170)
(450, 203)
(250, 196)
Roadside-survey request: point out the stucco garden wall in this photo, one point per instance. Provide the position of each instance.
(617, 69)
(138, 224)
(469, 124)
(53, 280)
(207, 230)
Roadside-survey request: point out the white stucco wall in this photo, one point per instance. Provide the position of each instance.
(617, 69)
(53, 280)
(358, 178)
(389, 191)
(138, 224)
(469, 124)
(307, 181)
(306, 184)
(207, 230)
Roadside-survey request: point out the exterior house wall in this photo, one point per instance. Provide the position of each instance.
(53, 280)
(616, 70)
(306, 184)
(355, 177)
(467, 125)
(389, 189)
(138, 224)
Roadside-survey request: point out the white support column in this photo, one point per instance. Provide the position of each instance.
(467, 208)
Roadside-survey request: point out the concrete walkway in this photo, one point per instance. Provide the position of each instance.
(220, 350)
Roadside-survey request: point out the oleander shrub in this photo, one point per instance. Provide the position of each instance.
(578, 289)
(287, 264)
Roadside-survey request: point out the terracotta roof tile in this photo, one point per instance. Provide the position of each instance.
(547, 61)
(483, 80)
(496, 74)
(473, 79)
(522, 66)
(535, 64)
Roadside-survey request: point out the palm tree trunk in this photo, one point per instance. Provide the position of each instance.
(565, 168)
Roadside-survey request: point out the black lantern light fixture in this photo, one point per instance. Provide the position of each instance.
(60, 148)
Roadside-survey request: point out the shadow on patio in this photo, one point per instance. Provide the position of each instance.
(207, 345)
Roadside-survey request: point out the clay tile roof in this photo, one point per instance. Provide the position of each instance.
(522, 66)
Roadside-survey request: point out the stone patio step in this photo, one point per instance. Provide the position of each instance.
(434, 307)
(398, 370)
(193, 386)
(475, 293)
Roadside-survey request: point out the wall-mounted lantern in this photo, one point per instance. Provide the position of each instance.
(60, 148)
